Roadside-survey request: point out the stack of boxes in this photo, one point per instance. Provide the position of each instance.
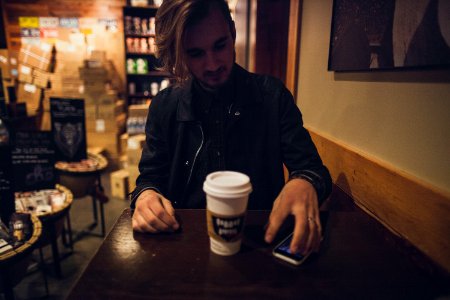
(90, 79)
(6, 68)
(105, 112)
(64, 82)
(33, 75)
(124, 181)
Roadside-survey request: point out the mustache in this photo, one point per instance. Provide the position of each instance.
(214, 73)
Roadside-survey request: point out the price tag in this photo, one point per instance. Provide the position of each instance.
(29, 22)
(100, 125)
(48, 22)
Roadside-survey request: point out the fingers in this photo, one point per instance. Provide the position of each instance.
(277, 216)
(140, 225)
(301, 234)
(158, 217)
(153, 214)
(298, 198)
(307, 233)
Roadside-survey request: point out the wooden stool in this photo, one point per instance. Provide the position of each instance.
(87, 183)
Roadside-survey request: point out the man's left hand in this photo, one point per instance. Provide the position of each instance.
(299, 198)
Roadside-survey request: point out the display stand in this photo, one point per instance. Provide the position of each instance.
(13, 264)
(86, 183)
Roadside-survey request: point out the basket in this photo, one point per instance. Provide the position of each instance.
(81, 183)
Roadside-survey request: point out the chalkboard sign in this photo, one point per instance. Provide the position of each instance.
(33, 160)
(6, 183)
(68, 128)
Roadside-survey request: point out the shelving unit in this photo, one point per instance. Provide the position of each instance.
(143, 78)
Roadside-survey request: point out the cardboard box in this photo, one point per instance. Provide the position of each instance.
(90, 111)
(40, 78)
(123, 143)
(25, 73)
(138, 111)
(93, 74)
(98, 55)
(109, 111)
(94, 87)
(136, 141)
(108, 98)
(92, 98)
(119, 184)
(134, 156)
(108, 140)
(4, 64)
(36, 56)
(133, 173)
(116, 124)
(123, 161)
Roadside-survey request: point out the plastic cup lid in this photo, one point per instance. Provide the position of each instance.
(227, 184)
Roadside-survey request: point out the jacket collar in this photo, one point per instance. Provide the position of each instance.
(246, 94)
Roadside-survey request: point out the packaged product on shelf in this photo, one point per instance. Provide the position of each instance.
(154, 88)
(151, 43)
(152, 25)
(128, 25)
(141, 66)
(131, 66)
(130, 44)
(144, 46)
(164, 83)
(144, 26)
(132, 88)
(137, 25)
(136, 45)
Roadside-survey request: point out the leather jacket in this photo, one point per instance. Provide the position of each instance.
(265, 131)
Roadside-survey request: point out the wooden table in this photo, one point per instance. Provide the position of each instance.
(357, 260)
(13, 264)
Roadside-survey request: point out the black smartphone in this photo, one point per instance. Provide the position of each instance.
(282, 251)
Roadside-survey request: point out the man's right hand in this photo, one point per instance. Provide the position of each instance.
(153, 213)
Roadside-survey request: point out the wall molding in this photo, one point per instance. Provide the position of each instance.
(408, 206)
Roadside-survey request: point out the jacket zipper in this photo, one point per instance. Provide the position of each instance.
(195, 158)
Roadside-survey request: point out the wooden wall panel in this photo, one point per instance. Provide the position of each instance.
(293, 51)
(272, 25)
(407, 206)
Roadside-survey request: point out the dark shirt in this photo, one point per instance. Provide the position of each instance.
(211, 110)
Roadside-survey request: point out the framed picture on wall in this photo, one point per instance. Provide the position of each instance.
(388, 34)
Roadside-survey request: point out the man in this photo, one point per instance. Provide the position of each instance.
(220, 117)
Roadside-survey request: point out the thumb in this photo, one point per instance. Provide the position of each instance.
(168, 206)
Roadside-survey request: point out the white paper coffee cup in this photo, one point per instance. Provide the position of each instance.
(226, 200)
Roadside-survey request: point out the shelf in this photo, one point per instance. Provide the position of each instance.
(139, 54)
(139, 29)
(133, 35)
(139, 8)
(152, 73)
(140, 95)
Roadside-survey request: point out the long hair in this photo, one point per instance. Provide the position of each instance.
(172, 19)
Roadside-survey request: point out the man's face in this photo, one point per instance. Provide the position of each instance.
(209, 50)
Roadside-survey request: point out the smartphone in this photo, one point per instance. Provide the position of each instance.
(282, 251)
